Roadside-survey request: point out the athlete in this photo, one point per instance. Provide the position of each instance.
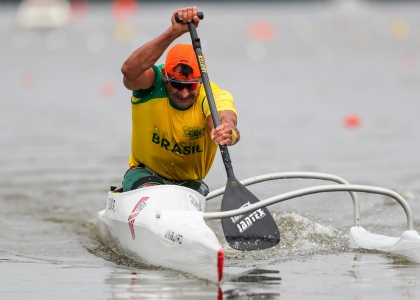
(173, 136)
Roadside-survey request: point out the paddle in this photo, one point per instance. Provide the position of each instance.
(251, 231)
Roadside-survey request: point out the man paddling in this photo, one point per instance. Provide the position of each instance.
(173, 137)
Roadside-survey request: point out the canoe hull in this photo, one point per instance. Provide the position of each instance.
(164, 226)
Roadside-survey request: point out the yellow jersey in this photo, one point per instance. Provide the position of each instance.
(173, 142)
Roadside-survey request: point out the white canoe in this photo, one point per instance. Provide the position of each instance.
(164, 226)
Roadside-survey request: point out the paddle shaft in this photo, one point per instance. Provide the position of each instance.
(206, 82)
(252, 231)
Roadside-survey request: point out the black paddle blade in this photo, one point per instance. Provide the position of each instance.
(251, 231)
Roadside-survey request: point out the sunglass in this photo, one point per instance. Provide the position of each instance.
(180, 85)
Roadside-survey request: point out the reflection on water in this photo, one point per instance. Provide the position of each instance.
(149, 284)
(146, 284)
(255, 275)
(401, 272)
(252, 284)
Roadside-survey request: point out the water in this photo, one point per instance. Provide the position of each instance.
(65, 132)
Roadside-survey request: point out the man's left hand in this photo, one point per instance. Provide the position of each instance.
(223, 135)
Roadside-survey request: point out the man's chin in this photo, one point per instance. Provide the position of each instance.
(183, 103)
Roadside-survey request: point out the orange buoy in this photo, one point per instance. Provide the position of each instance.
(124, 9)
(352, 121)
(27, 81)
(108, 90)
(262, 31)
(78, 10)
(409, 59)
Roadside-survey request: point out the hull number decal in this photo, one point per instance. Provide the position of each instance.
(173, 237)
(111, 204)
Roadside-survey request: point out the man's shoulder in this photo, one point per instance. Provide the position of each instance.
(157, 90)
(216, 90)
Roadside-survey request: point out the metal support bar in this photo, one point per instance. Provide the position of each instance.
(314, 190)
(294, 175)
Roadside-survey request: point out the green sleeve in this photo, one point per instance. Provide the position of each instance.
(142, 93)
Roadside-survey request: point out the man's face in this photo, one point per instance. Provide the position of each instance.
(182, 92)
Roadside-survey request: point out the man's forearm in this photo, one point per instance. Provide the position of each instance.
(146, 56)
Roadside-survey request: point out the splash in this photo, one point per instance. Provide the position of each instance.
(300, 237)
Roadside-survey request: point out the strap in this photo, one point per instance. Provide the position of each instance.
(148, 179)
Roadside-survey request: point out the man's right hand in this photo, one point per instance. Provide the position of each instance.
(186, 15)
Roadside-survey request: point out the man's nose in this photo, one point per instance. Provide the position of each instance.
(184, 92)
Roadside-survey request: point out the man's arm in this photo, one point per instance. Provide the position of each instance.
(137, 69)
(224, 134)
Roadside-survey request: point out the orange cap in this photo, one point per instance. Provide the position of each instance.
(182, 54)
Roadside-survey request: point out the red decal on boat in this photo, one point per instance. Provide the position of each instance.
(135, 212)
(195, 203)
(220, 263)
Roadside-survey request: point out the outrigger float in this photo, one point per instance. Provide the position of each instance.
(165, 225)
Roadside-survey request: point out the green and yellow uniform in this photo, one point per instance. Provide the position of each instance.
(172, 142)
